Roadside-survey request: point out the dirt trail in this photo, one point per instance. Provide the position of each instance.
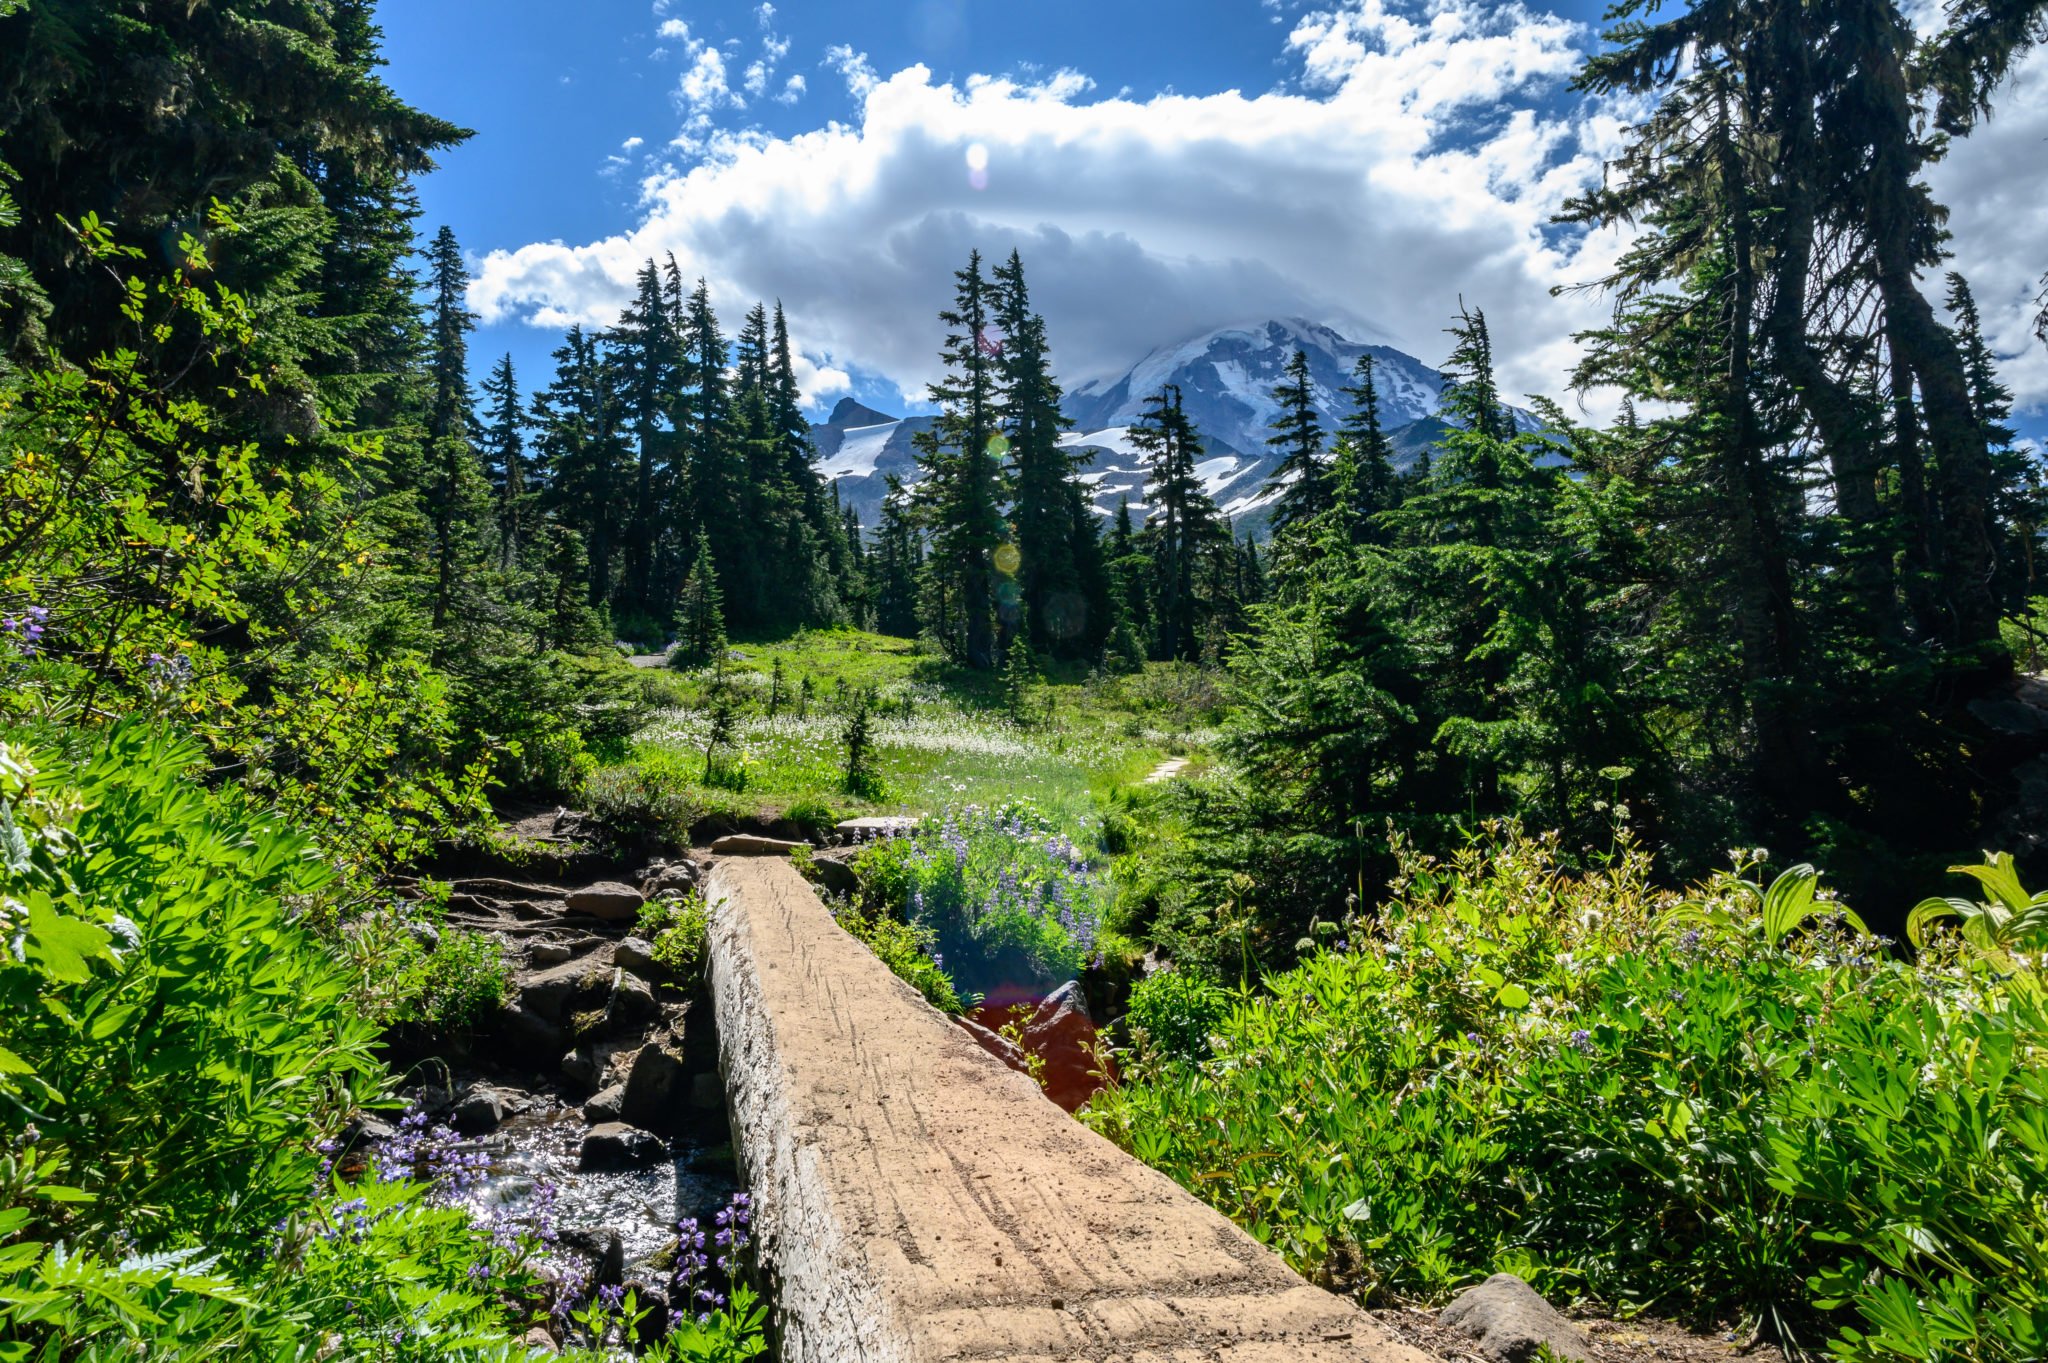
(1166, 771)
(921, 1202)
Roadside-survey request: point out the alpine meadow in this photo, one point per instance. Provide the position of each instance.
(1530, 875)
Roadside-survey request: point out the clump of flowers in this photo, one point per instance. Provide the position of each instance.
(1000, 889)
(24, 632)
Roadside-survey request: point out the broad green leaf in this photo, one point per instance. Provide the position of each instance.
(64, 946)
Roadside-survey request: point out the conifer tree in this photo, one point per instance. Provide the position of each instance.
(1366, 484)
(1130, 572)
(1020, 674)
(579, 435)
(1042, 511)
(1302, 478)
(896, 565)
(642, 350)
(452, 492)
(1183, 527)
(700, 613)
(961, 495)
(712, 466)
(506, 460)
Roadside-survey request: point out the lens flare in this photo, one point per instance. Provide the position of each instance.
(977, 166)
(998, 445)
(1008, 560)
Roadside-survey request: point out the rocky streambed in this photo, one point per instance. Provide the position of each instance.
(589, 1105)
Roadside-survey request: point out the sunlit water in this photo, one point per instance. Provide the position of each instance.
(642, 1205)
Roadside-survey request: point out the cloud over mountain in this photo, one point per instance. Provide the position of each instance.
(1414, 157)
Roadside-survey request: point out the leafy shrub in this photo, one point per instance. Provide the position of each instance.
(1732, 1104)
(465, 979)
(909, 951)
(1005, 894)
(1177, 1010)
(648, 800)
(811, 814)
(676, 928)
(173, 1043)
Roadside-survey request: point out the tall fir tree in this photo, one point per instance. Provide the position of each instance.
(1182, 529)
(961, 495)
(507, 462)
(1301, 479)
(452, 491)
(1056, 596)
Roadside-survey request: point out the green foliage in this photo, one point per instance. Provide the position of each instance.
(410, 969)
(1996, 930)
(811, 814)
(650, 799)
(676, 927)
(863, 777)
(1020, 674)
(1176, 1011)
(1662, 1104)
(173, 1042)
(908, 949)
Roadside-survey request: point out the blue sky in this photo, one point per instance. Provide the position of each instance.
(1379, 160)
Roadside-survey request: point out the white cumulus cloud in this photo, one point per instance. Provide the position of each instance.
(1416, 159)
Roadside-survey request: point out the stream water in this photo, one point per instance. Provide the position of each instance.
(531, 1154)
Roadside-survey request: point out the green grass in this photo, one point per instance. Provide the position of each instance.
(942, 738)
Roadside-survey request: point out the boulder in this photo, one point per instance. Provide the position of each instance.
(636, 954)
(615, 1145)
(607, 899)
(1001, 1047)
(596, 1064)
(542, 954)
(631, 1006)
(833, 875)
(521, 1029)
(652, 1298)
(753, 845)
(608, 1105)
(657, 1088)
(484, 1106)
(1512, 1323)
(555, 992)
(538, 1340)
(1060, 1033)
(665, 877)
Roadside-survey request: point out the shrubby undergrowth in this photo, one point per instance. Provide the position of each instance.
(173, 1048)
(1729, 1105)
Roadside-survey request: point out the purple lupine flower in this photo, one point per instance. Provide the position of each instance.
(613, 1295)
(1582, 1041)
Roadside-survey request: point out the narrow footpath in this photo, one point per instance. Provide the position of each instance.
(919, 1202)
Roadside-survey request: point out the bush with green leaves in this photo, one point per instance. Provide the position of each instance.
(649, 800)
(1735, 1104)
(1176, 1011)
(676, 927)
(174, 1045)
(910, 951)
(1006, 895)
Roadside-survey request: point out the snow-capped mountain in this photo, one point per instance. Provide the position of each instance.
(1226, 378)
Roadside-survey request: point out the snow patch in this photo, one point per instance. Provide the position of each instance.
(858, 451)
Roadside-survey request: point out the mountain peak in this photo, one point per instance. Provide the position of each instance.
(851, 413)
